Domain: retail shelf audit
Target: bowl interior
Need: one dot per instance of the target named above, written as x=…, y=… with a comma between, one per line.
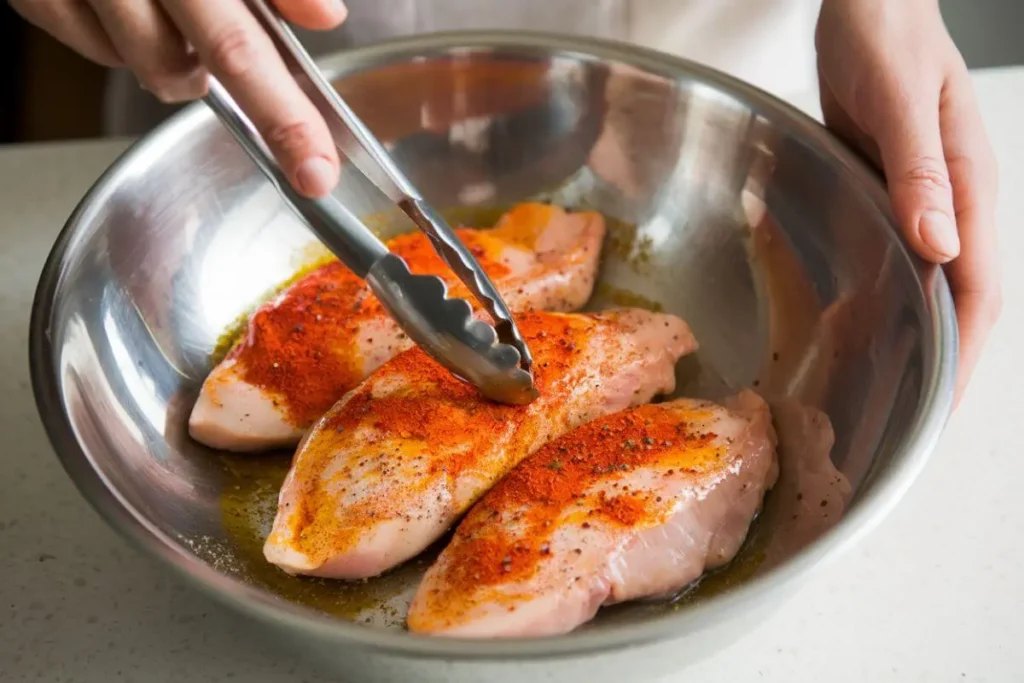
x=727, y=208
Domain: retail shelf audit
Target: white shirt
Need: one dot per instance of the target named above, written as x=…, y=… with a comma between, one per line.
x=769, y=43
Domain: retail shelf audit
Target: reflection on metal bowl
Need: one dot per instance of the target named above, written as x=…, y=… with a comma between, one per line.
x=771, y=239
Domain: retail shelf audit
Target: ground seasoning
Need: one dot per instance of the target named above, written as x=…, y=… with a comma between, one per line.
x=303, y=347
x=567, y=481
x=627, y=510
x=307, y=348
x=414, y=431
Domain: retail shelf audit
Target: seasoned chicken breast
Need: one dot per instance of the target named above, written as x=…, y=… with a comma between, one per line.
x=302, y=351
x=635, y=504
x=391, y=467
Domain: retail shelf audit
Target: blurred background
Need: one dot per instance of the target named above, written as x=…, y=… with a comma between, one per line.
x=47, y=92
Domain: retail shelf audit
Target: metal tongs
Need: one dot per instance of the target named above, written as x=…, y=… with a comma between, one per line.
x=495, y=359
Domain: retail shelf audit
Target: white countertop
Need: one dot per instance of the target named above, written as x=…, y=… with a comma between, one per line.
x=935, y=594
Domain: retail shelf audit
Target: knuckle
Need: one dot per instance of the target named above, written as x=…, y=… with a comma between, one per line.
x=291, y=138
x=233, y=52
x=927, y=173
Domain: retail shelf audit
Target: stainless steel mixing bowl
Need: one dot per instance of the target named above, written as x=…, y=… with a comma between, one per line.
x=766, y=234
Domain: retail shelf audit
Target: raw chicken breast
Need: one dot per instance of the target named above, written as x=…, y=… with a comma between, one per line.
x=391, y=467
x=327, y=332
x=635, y=504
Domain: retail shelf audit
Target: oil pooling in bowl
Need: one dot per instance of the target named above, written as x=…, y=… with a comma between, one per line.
x=248, y=501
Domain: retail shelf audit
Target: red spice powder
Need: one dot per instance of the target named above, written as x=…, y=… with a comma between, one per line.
x=447, y=419
x=554, y=478
x=627, y=510
x=302, y=347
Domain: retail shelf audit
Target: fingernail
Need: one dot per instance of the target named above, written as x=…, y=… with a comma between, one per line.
x=337, y=10
x=316, y=176
x=191, y=87
x=198, y=83
x=939, y=233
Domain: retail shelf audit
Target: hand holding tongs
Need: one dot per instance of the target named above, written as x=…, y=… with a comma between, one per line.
x=494, y=359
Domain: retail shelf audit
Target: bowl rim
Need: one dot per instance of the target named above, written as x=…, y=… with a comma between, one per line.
x=887, y=487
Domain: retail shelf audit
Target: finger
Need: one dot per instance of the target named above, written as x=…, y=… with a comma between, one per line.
x=74, y=24
x=153, y=48
x=318, y=15
x=974, y=276
x=910, y=146
x=235, y=48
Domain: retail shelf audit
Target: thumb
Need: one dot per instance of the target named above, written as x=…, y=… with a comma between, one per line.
x=910, y=145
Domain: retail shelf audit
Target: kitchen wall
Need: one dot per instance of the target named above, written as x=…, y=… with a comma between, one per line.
x=48, y=93
x=988, y=32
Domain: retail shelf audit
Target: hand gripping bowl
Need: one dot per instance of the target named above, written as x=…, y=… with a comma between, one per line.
x=753, y=223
